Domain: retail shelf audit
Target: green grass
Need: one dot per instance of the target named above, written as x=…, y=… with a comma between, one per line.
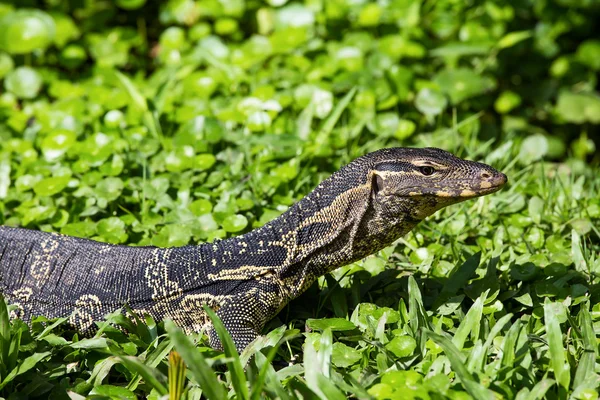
x=130, y=122
x=494, y=298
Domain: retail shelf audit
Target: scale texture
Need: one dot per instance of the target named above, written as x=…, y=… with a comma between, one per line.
x=360, y=209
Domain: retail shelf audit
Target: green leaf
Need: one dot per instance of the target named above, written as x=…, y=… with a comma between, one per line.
x=57, y=142
x=430, y=102
x=51, y=186
x=23, y=82
x=113, y=392
x=473, y=387
x=238, y=377
x=334, y=324
x=556, y=350
x=151, y=376
x=459, y=277
x=112, y=230
x=588, y=53
x=27, y=364
x=25, y=30
x=578, y=107
x=462, y=83
x=92, y=343
x=5, y=338
x=471, y=323
x=344, y=356
x=110, y=188
x=235, y=223
x=402, y=346
x=512, y=38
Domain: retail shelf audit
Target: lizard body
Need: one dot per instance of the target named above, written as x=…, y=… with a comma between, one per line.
x=360, y=209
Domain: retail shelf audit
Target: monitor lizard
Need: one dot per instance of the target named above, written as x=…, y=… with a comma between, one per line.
x=360, y=209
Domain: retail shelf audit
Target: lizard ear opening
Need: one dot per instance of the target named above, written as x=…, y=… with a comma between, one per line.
x=377, y=184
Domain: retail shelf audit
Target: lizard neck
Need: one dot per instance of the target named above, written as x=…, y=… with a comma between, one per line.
x=320, y=233
x=334, y=225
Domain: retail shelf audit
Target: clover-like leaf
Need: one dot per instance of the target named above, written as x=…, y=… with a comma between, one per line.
x=25, y=30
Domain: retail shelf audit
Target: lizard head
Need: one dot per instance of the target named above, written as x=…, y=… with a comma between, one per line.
x=422, y=181
x=370, y=203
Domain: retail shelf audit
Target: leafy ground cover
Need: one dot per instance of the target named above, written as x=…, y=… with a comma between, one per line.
x=181, y=122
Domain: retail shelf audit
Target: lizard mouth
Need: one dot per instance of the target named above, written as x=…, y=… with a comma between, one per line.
x=491, y=184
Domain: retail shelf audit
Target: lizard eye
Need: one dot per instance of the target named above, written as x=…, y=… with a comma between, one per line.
x=426, y=170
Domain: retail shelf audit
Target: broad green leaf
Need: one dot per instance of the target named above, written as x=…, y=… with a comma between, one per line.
x=23, y=82
x=402, y=346
x=25, y=30
x=578, y=107
x=344, y=356
x=461, y=84
x=430, y=102
x=51, y=186
x=235, y=223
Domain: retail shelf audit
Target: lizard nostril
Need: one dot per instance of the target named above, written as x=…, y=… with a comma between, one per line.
x=486, y=175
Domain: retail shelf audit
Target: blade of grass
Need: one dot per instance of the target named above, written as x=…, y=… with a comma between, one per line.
x=197, y=364
x=101, y=370
x=4, y=337
x=539, y=390
x=328, y=388
x=13, y=351
x=267, y=375
x=50, y=327
x=590, y=350
x=271, y=339
x=304, y=121
x=417, y=316
x=508, y=348
x=471, y=323
x=25, y=366
x=325, y=351
x=558, y=361
x=139, y=101
x=151, y=376
x=320, y=377
x=456, y=358
x=312, y=368
x=152, y=360
x=238, y=377
x=476, y=356
x=477, y=362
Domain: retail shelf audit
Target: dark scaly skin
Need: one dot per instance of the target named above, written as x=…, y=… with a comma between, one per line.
x=360, y=209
